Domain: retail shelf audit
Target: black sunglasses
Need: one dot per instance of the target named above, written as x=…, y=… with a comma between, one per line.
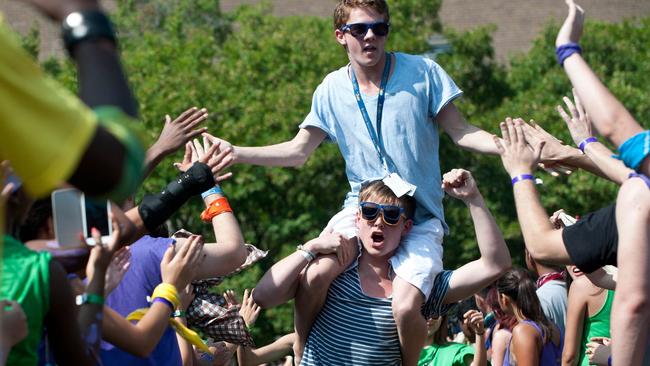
x=390, y=213
x=359, y=30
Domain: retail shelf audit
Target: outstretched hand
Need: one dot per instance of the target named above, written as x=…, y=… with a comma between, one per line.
x=473, y=320
x=216, y=157
x=179, y=264
x=571, y=29
x=249, y=309
x=598, y=350
x=460, y=184
x=578, y=123
x=182, y=129
x=516, y=156
x=120, y=263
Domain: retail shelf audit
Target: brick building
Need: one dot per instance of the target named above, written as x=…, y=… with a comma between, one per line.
x=518, y=21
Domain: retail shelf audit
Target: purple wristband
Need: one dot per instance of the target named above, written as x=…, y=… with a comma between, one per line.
x=585, y=142
x=564, y=51
x=609, y=360
x=164, y=301
x=521, y=177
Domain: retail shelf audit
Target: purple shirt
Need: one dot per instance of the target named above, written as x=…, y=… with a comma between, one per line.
x=138, y=283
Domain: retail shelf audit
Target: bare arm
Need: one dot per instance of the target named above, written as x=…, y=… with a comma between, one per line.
x=279, y=283
x=269, y=353
x=141, y=338
x=576, y=312
x=526, y=345
x=604, y=277
x=500, y=341
x=610, y=117
x=495, y=257
x=463, y=134
x=292, y=153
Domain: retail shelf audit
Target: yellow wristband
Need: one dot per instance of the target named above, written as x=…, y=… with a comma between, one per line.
x=167, y=292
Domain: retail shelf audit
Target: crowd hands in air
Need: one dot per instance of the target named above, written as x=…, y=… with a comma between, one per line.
x=371, y=288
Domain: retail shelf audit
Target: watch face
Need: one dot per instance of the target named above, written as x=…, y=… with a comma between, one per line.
x=79, y=300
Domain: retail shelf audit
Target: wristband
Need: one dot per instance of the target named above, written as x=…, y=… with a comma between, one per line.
x=564, y=51
x=163, y=301
x=308, y=254
x=167, y=292
x=86, y=25
x=92, y=299
x=214, y=190
x=522, y=177
x=586, y=142
x=179, y=314
x=609, y=360
x=216, y=208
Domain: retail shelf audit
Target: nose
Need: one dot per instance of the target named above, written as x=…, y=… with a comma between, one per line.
x=369, y=34
x=379, y=220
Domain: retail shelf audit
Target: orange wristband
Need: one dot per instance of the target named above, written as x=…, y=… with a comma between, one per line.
x=216, y=208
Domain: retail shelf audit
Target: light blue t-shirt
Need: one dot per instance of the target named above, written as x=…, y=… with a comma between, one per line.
x=416, y=91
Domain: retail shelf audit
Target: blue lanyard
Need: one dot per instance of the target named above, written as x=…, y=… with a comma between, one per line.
x=374, y=136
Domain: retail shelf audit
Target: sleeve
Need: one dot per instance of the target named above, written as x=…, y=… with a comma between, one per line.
x=434, y=305
x=442, y=89
x=459, y=357
x=44, y=129
x=318, y=117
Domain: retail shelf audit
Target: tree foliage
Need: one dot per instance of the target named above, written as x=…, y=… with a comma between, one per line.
x=256, y=73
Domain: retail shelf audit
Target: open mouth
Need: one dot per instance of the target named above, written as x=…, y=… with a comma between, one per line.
x=377, y=237
x=369, y=48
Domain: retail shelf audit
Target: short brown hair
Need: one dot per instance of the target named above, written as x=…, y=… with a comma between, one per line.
x=343, y=8
x=378, y=191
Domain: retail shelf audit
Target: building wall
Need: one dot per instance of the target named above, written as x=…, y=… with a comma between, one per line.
x=518, y=21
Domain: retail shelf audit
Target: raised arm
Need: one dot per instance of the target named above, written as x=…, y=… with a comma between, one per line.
x=610, y=117
x=291, y=153
x=543, y=242
x=495, y=257
x=579, y=125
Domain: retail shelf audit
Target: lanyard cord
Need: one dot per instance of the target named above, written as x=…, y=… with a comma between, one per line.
x=374, y=136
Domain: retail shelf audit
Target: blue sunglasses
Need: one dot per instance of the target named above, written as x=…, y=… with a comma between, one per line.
x=390, y=214
x=359, y=30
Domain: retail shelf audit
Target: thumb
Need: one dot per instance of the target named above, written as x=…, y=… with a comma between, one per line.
x=168, y=119
x=538, y=150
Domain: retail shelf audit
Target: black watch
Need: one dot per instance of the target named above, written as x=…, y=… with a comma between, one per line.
x=86, y=25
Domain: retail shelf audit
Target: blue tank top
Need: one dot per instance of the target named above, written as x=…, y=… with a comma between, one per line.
x=551, y=354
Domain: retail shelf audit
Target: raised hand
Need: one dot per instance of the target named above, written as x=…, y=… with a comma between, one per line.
x=231, y=298
x=249, y=309
x=179, y=264
x=460, y=184
x=102, y=252
x=516, y=156
x=578, y=123
x=178, y=132
x=117, y=269
x=216, y=157
x=571, y=29
x=330, y=242
x=473, y=319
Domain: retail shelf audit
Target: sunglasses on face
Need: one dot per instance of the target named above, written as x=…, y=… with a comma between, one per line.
x=359, y=30
x=390, y=213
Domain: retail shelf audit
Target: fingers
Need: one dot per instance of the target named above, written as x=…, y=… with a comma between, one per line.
x=208, y=154
x=564, y=115
x=498, y=144
x=183, y=116
x=572, y=107
x=223, y=177
x=194, y=153
x=505, y=133
x=169, y=254
x=578, y=103
x=200, y=151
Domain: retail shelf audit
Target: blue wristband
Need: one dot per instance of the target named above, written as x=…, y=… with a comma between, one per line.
x=585, y=142
x=564, y=51
x=609, y=360
x=522, y=177
x=214, y=190
x=164, y=301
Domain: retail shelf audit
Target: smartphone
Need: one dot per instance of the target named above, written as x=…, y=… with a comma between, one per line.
x=567, y=220
x=75, y=216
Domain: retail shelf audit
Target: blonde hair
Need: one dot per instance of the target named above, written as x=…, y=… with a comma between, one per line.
x=343, y=8
x=378, y=191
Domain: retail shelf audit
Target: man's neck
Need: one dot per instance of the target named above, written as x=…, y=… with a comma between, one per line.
x=374, y=275
x=369, y=77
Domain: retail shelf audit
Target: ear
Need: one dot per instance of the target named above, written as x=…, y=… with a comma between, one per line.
x=408, y=225
x=50, y=227
x=340, y=37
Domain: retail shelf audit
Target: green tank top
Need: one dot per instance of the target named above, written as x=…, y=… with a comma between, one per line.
x=26, y=279
x=450, y=354
x=596, y=326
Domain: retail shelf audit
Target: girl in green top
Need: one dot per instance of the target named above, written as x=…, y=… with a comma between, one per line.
x=588, y=314
x=444, y=353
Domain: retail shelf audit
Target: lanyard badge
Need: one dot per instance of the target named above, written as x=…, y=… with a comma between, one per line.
x=398, y=185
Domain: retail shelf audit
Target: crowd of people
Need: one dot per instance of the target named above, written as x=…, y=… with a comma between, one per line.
x=371, y=288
